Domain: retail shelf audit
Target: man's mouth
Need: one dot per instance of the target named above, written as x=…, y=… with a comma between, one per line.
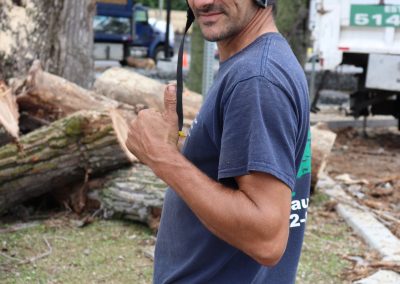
x=209, y=17
x=210, y=13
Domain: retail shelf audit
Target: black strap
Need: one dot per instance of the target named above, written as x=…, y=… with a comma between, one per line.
x=179, y=75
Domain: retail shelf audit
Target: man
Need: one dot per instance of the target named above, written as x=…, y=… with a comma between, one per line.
x=243, y=176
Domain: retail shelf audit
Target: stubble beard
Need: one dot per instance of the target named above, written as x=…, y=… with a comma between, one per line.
x=223, y=34
x=228, y=27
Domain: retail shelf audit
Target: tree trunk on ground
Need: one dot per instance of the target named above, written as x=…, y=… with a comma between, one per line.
x=135, y=89
x=135, y=193
x=67, y=151
x=195, y=78
x=49, y=97
x=57, y=32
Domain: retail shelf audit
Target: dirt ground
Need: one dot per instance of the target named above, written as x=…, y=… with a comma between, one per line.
x=372, y=160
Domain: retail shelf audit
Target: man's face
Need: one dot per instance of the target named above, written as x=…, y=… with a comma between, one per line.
x=222, y=19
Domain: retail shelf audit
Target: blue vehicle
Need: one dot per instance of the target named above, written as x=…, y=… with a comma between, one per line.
x=122, y=29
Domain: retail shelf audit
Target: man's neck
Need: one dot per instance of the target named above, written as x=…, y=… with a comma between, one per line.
x=261, y=23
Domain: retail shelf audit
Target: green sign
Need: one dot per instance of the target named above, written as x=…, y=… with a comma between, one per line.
x=305, y=166
x=375, y=16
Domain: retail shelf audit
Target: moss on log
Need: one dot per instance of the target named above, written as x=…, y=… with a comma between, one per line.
x=58, y=155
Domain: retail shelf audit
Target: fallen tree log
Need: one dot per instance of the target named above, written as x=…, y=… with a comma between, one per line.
x=46, y=97
x=144, y=63
x=65, y=152
x=132, y=88
x=49, y=97
x=9, y=116
x=135, y=193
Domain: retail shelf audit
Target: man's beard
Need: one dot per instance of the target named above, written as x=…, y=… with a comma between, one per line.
x=229, y=32
x=224, y=34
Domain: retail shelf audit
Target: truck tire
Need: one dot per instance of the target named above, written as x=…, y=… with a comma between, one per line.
x=159, y=53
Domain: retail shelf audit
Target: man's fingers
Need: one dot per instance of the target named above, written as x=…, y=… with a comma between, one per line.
x=170, y=100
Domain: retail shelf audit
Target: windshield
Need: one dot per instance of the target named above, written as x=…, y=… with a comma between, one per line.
x=111, y=25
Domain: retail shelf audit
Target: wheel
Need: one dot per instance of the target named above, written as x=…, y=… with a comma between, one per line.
x=159, y=53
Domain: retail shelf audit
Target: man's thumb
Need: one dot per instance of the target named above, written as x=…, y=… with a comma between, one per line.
x=170, y=99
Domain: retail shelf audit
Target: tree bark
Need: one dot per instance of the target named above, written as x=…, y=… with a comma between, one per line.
x=4, y=137
x=57, y=32
x=135, y=193
x=135, y=89
x=69, y=53
x=67, y=151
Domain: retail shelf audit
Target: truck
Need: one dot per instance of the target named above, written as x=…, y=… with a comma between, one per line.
x=366, y=34
x=122, y=29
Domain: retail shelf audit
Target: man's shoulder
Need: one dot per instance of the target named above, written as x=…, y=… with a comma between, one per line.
x=268, y=58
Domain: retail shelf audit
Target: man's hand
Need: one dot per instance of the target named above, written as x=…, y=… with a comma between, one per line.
x=152, y=134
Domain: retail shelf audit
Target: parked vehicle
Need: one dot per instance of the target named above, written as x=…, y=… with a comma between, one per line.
x=364, y=33
x=122, y=29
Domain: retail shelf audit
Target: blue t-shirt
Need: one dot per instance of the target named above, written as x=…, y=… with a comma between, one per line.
x=255, y=118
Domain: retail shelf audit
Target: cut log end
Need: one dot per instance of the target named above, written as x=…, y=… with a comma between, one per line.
x=8, y=111
x=120, y=125
x=322, y=142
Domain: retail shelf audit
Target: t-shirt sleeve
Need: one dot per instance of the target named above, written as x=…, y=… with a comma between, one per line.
x=259, y=131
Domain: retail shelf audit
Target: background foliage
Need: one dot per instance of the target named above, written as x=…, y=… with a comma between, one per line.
x=175, y=4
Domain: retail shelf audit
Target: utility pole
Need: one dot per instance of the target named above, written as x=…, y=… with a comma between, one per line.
x=208, y=67
x=160, y=8
x=166, y=46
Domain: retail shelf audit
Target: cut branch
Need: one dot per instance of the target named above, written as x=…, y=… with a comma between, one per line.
x=8, y=115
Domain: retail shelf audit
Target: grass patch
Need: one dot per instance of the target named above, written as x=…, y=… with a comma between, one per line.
x=103, y=252
x=327, y=240
x=111, y=251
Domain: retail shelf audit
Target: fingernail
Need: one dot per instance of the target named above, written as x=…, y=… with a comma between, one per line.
x=171, y=88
